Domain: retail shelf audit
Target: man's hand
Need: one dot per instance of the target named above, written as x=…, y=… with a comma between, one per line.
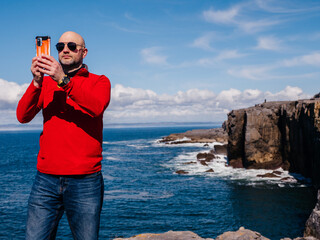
x=37, y=75
x=48, y=65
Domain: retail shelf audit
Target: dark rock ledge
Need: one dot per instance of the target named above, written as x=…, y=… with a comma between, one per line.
x=197, y=136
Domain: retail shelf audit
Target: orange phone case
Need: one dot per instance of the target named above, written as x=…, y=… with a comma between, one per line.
x=43, y=45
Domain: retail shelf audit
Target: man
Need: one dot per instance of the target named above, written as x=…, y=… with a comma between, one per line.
x=68, y=179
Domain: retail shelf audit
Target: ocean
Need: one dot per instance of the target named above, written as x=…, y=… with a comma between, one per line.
x=144, y=194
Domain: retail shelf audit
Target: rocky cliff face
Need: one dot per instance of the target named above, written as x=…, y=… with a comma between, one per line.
x=277, y=134
x=313, y=223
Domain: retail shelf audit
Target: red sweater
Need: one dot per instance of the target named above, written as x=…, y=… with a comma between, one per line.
x=71, y=140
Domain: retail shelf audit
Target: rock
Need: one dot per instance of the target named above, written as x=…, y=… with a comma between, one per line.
x=262, y=138
x=181, y=172
x=208, y=157
x=317, y=95
x=197, y=136
x=235, y=129
x=210, y=170
x=171, y=235
x=268, y=175
x=187, y=163
x=241, y=234
x=201, y=155
x=203, y=162
x=301, y=130
x=276, y=134
x=277, y=172
x=221, y=149
x=287, y=179
x=301, y=238
x=313, y=222
x=306, y=238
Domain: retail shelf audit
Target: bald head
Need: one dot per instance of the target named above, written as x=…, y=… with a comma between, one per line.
x=72, y=37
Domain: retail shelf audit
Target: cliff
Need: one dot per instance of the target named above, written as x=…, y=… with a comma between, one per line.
x=277, y=134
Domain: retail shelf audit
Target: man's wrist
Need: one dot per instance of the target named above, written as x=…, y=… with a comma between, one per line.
x=36, y=83
x=64, y=81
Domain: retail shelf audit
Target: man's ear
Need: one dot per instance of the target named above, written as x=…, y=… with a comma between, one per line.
x=84, y=52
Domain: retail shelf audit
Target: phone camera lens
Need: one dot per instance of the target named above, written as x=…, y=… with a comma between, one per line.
x=39, y=42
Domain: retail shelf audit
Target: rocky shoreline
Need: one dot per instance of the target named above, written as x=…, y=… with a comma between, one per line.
x=267, y=136
x=271, y=135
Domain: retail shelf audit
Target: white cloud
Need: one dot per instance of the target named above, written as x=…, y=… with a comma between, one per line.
x=292, y=7
x=228, y=97
x=251, y=72
x=268, y=72
x=252, y=94
x=309, y=59
x=269, y=43
x=10, y=93
x=238, y=17
x=256, y=26
x=289, y=93
x=142, y=105
x=213, y=61
x=131, y=18
x=219, y=16
x=191, y=105
x=229, y=54
x=152, y=56
x=123, y=96
x=203, y=42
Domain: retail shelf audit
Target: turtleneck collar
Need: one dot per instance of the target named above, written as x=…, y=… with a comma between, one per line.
x=73, y=73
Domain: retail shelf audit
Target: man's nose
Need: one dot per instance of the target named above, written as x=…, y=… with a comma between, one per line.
x=66, y=49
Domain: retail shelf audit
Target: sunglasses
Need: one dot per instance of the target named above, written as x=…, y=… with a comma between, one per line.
x=71, y=45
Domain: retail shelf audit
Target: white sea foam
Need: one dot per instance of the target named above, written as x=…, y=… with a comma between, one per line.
x=137, y=146
x=181, y=140
x=125, y=194
x=126, y=142
x=111, y=158
x=174, y=144
x=188, y=163
x=108, y=177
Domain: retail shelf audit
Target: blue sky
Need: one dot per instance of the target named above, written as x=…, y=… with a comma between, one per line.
x=179, y=60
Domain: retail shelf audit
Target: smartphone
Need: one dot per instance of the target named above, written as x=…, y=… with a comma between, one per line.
x=43, y=45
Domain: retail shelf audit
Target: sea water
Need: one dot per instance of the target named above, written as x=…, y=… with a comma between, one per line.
x=144, y=194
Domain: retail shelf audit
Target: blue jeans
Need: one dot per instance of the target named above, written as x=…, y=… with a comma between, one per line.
x=81, y=197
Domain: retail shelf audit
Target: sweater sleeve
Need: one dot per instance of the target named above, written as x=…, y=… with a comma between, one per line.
x=93, y=97
x=29, y=105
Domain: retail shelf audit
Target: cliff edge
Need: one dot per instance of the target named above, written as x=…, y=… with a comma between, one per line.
x=277, y=134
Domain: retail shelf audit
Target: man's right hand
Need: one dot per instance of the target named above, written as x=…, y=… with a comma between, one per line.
x=37, y=75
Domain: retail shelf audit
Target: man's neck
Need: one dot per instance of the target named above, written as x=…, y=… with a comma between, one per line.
x=68, y=70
